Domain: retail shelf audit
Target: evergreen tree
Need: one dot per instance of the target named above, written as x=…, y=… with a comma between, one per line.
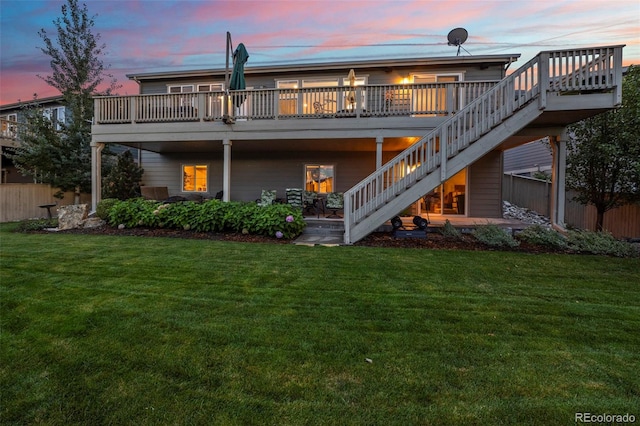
x=63, y=158
x=123, y=182
x=603, y=161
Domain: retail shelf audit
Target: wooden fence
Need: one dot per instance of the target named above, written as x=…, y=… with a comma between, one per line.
x=535, y=194
x=19, y=201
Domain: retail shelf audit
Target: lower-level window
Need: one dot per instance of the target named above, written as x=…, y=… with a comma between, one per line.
x=448, y=198
x=194, y=178
x=319, y=178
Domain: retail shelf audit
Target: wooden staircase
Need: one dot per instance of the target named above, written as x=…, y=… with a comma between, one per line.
x=543, y=84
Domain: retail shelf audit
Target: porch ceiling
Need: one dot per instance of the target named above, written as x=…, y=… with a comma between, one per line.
x=307, y=145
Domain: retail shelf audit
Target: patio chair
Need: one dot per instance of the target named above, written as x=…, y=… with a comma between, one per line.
x=310, y=201
x=267, y=197
x=294, y=197
x=335, y=202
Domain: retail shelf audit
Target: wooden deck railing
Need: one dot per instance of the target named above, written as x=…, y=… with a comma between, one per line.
x=553, y=72
x=441, y=99
x=9, y=129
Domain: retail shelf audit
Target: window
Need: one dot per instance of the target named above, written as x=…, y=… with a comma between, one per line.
x=436, y=99
x=194, y=178
x=448, y=198
x=213, y=87
x=9, y=128
x=319, y=178
x=320, y=101
x=186, y=100
x=288, y=100
x=187, y=88
x=55, y=115
x=214, y=102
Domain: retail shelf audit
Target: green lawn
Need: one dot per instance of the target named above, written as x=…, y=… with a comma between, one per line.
x=147, y=331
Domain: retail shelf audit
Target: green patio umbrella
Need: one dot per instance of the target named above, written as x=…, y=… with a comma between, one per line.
x=240, y=57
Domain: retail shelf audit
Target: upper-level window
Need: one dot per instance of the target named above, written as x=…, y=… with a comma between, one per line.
x=288, y=98
x=186, y=88
x=9, y=130
x=211, y=87
x=438, y=99
x=55, y=115
x=324, y=100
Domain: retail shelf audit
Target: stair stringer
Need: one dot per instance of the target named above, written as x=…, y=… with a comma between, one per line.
x=453, y=165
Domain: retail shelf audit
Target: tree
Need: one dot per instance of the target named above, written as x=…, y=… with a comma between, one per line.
x=123, y=182
x=603, y=161
x=62, y=158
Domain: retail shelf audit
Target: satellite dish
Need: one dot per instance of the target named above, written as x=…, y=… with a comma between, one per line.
x=456, y=37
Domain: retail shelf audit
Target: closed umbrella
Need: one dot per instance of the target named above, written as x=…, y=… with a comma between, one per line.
x=240, y=57
x=351, y=95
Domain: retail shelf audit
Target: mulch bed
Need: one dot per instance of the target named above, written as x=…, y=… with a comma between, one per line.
x=434, y=240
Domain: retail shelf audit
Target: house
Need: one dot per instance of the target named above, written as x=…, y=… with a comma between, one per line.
x=390, y=134
x=11, y=115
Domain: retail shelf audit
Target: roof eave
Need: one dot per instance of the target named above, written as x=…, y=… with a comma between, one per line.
x=282, y=68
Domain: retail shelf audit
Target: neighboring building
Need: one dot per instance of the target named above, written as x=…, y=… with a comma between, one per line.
x=11, y=116
x=375, y=136
x=529, y=159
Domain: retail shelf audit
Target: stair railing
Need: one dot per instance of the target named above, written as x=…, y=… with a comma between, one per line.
x=548, y=71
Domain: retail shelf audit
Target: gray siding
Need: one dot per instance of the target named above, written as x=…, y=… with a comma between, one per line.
x=252, y=172
x=485, y=186
x=528, y=156
x=374, y=76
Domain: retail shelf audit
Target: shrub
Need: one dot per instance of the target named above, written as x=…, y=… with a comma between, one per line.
x=134, y=212
x=278, y=220
x=104, y=206
x=32, y=225
x=600, y=243
x=494, y=236
x=451, y=232
x=543, y=236
x=239, y=217
x=272, y=221
x=123, y=181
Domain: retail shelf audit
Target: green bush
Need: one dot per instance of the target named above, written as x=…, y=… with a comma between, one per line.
x=540, y=235
x=278, y=220
x=494, y=236
x=104, y=206
x=36, y=225
x=135, y=212
x=600, y=243
x=451, y=232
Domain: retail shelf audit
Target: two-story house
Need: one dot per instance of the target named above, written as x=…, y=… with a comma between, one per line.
x=11, y=116
x=387, y=134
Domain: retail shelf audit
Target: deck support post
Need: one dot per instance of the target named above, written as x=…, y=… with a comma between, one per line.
x=558, y=179
x=226, y=171
x=379, y=142
x=96, y=174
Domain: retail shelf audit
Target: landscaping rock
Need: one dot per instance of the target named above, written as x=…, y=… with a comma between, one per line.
x=93, y=222
x=72, y=216
x=511, y=211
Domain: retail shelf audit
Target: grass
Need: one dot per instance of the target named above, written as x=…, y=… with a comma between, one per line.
x=131, y=330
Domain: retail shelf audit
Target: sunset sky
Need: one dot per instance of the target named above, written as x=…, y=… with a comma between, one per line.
x=163, y=35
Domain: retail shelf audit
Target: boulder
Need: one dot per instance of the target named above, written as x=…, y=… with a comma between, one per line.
x=93, y=222
x=72, y=216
